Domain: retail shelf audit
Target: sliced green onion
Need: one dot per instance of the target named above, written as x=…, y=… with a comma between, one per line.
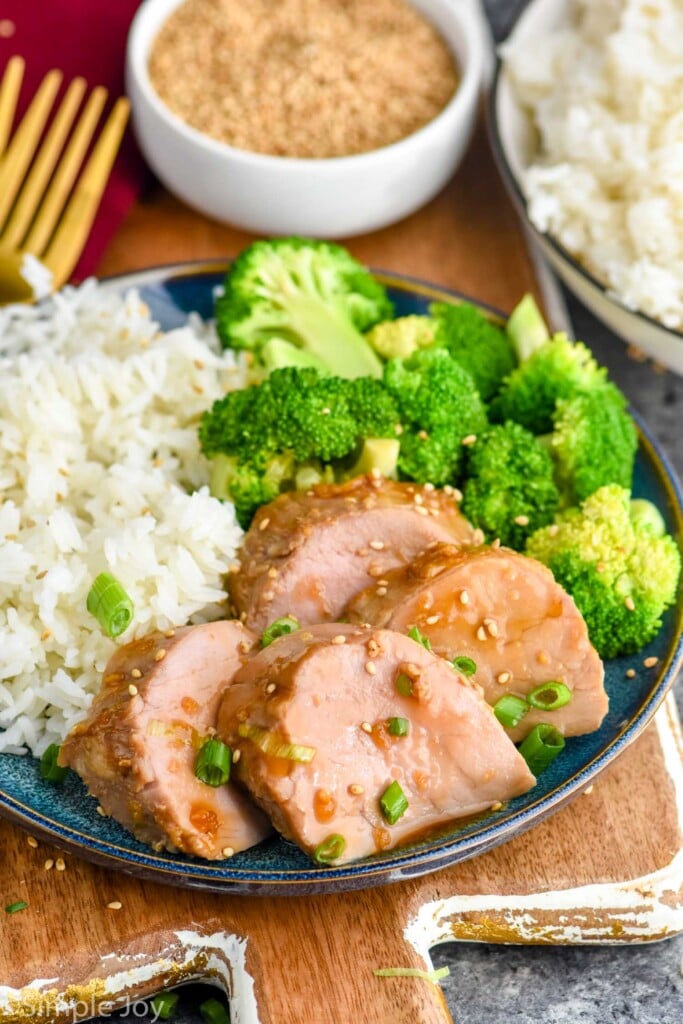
x=14, y=908
x=550, y=696
x=541, y=747
x=416, y=635
x=164, y=1004
x=110, y=604
x=393, y=803
x=213, y=763
x=49, y=769
x=404, y=685
x=330, y=849
x=413, y=972
x=510, y=710
x=399, y=726
x=214, y=1012
x=465, y=665
x=273, y=745
x=281, y=627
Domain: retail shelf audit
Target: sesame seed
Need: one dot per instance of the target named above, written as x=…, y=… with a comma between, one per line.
x=236, y=755
x=429, y=487
x=482, y=634
x=41, y=575
x=377, y=545
x=588, y=790
x=46, y=634
x=366, y=727
x=370, y=668
x=169, y=633
x=161, y=654
x=244, y=646
x=114, y=905
x=33, y=843
x=423, y=435
x=418, y=499
x=381, y=591
x=373, y=648
x=457, y=494
x=271, y=688
x=543, y=658
x=136, y=673
x=491, y=627
x=497, y=806
x=630, y=673
x=522, y=520
x=59, y=864
x=422, y=510
x=101, y=811
x=478, y=536
x=495, y=544
x=199, y=364
x=132, y=689
x=339, y=639
x=448, y=489
x=650, y=662
x=228, y=851
x=432, y=620
x=398, y=429
x=464, y=597
x=355, y=789
x=49, y=864
x=325, y=412
x=263, y=525
x=630, y=604
x=504, y=678
x=272, y=573
x=470, y=439
x=268, y=595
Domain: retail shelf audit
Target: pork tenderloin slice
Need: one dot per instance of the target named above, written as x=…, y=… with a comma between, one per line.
x=330, y=691
x=137, y=747
x=307, y=553
x=504, y=611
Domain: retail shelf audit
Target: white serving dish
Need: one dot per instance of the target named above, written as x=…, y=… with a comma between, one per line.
x=335, y=197
x=514, y=143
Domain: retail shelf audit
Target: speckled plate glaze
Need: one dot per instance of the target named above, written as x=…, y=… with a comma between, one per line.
x=66, y=815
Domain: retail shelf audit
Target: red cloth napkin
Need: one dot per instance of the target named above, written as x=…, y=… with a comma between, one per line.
x=88, y=38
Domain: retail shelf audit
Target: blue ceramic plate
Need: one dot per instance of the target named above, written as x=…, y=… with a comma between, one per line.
x=66, y=815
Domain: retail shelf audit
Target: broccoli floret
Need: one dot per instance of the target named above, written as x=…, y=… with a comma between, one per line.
x=558, y=369
x=480, y=347
x=311, y=294
x=293, y=430
x=509, y=490
x=400, y=338
x=439, y=407
x=621, y=574
x=594, y=442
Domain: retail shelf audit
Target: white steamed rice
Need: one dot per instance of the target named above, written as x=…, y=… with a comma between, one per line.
x=606, y=95
x=100, y=471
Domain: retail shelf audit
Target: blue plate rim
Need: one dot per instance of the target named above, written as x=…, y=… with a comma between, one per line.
x=398, y=864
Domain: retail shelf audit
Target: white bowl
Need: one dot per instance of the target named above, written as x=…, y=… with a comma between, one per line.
x=515, y=143
x=338, y=196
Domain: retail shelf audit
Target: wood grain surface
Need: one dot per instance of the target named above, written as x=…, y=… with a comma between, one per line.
x=599, y=870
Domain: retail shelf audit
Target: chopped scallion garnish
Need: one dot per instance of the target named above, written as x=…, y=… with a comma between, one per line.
x=110, y=604
x=541, y=747
x=550, y=696
x=214, y=1012
x=465, y=665
x=330, y=849
x=404, y=685
x=14, y=908
x=49, y=769
x=413, y=972
x=275, y=746
x=393, y=803
x=164, y=1004
x=510, y=710
x=399, y=726
x=281, y=627
x=420, y=638
x=213, y=763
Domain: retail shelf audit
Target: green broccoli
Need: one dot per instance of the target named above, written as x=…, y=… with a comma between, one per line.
x=400, y=338
x=439, y=408
x=509, y=490
x=310, y=294
x=621, y=571
x=478, y=345
x=594, y=442
x=293, y=430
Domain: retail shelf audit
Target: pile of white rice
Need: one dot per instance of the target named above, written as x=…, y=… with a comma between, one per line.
x=100, y=471
x=606, y=95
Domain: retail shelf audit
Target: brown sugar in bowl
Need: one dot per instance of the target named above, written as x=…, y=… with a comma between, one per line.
x=337, y=195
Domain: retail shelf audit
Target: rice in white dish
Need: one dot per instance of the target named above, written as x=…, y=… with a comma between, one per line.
x=100, y=471
x=606, y=95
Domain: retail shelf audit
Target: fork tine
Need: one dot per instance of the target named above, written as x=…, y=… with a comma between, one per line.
x=18, y=154
x=9, y=94
x=66, y=173
x=70, y=237
x=43, y=165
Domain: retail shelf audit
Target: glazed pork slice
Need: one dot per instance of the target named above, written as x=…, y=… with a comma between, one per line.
x=504, y=611
x=307, y=553
x=311, y=715
x=137, y=748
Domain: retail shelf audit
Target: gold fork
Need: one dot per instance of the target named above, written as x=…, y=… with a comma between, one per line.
x=44, y=210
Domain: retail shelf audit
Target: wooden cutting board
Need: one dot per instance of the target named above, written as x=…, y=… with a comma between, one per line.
x=607, y=868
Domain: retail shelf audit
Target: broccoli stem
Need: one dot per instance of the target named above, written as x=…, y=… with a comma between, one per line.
x=332, y=339
x=526, y=328
x=278, y=353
